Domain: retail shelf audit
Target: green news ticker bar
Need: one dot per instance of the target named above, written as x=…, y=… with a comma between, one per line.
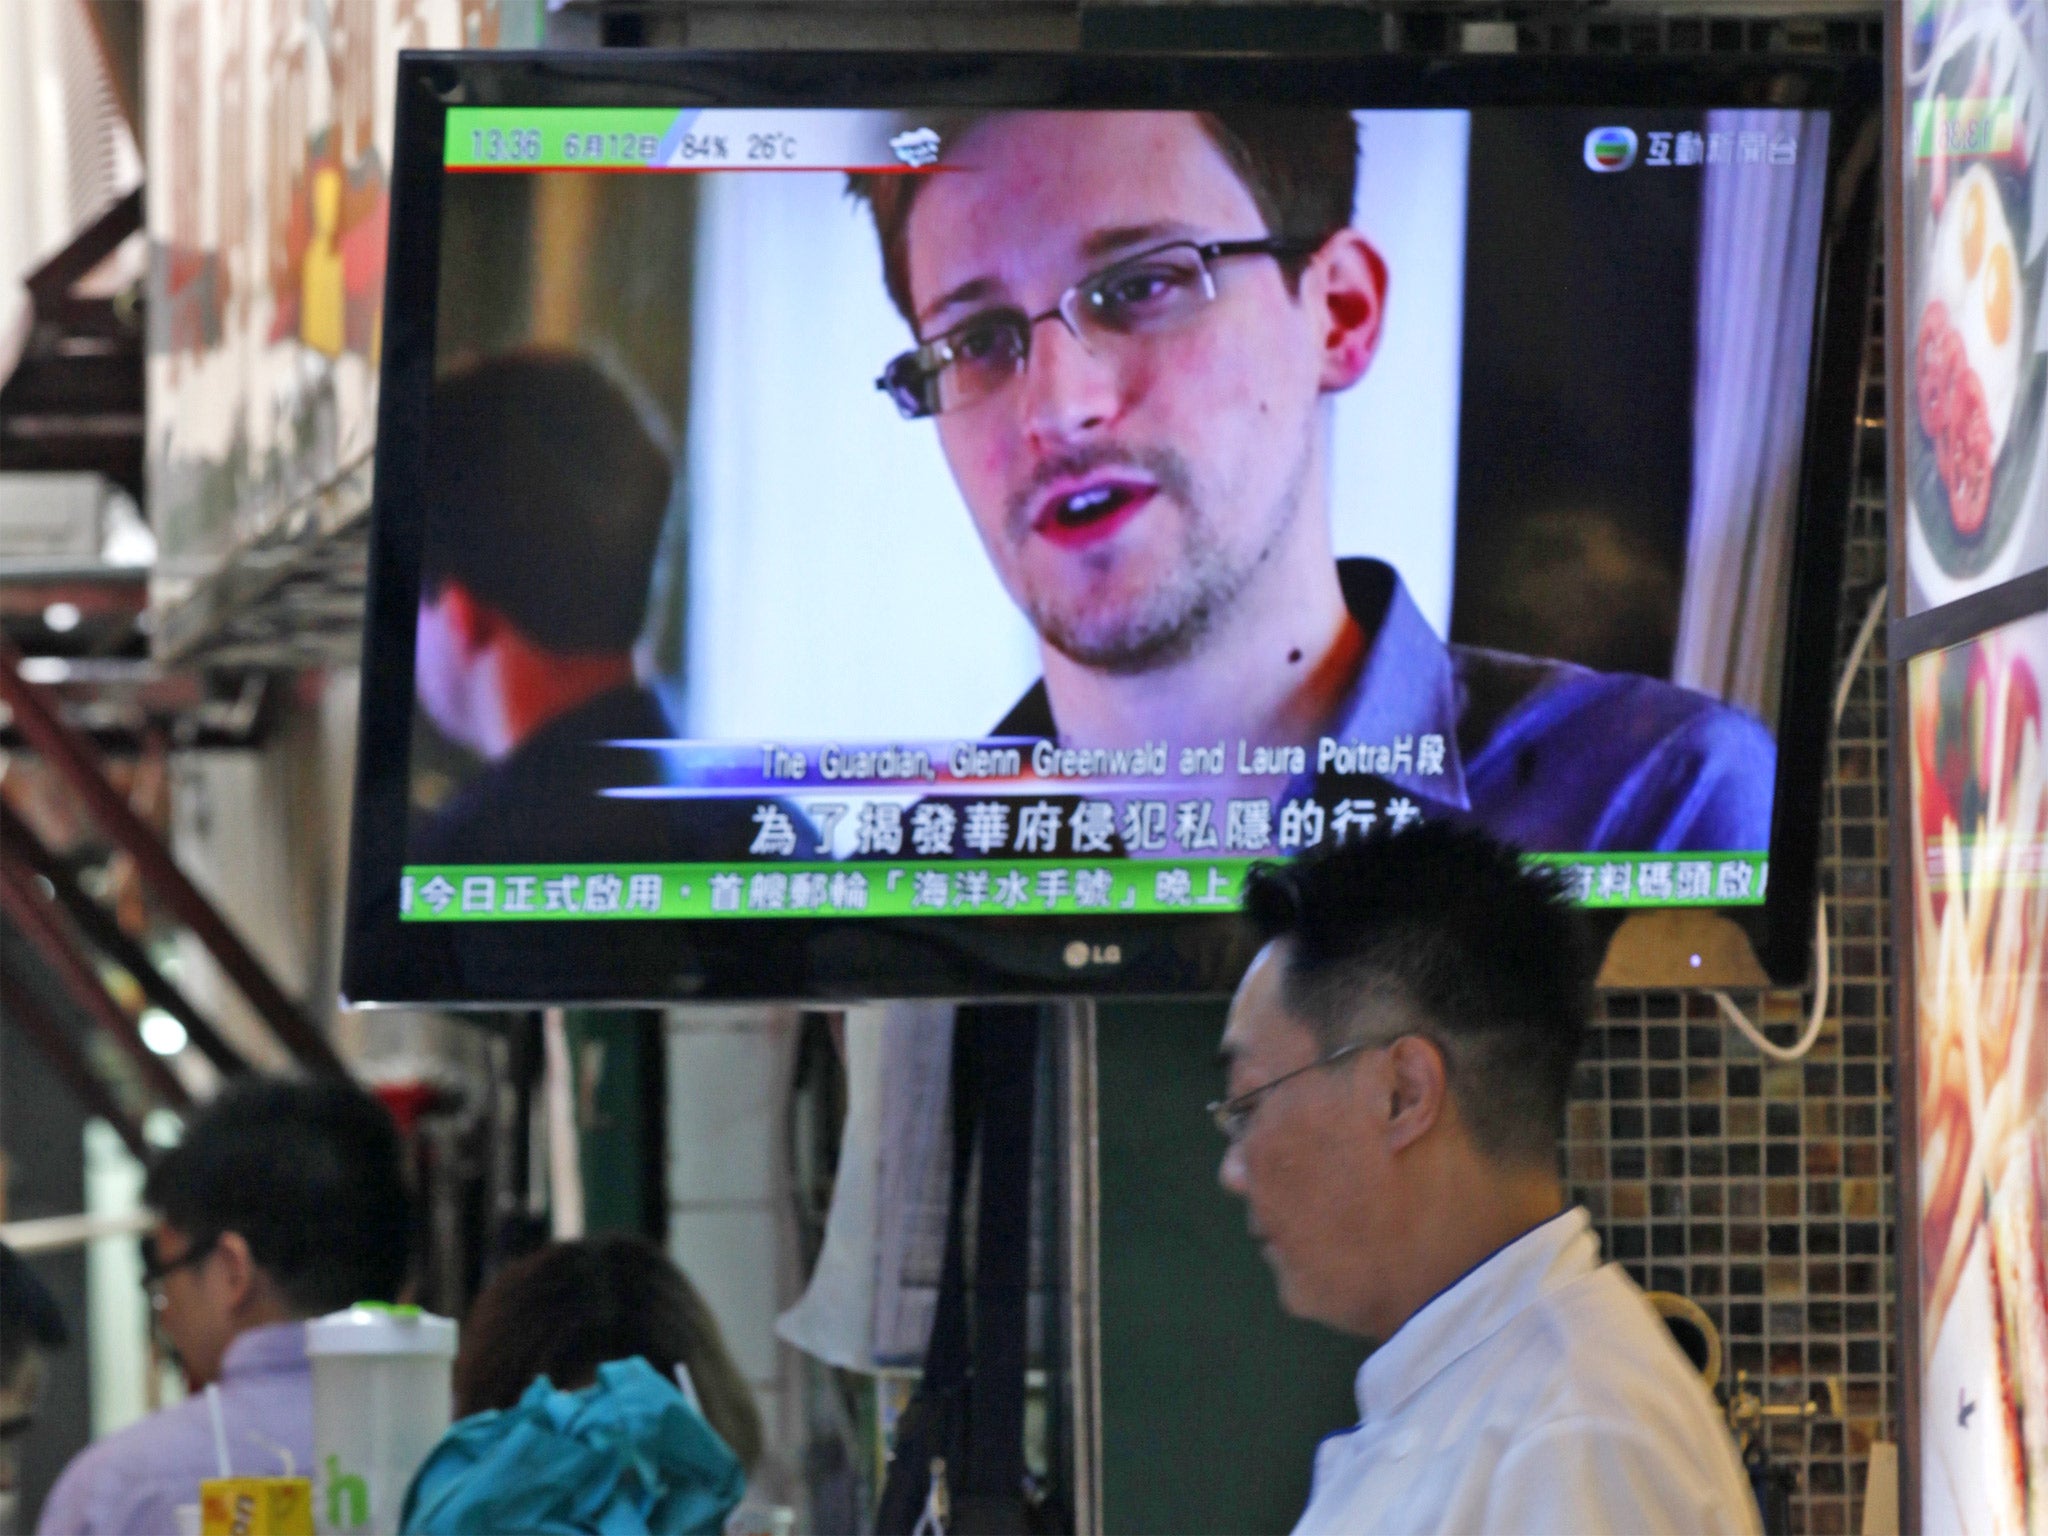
x=954, y=888
x=1963, y=127
x=553, y=138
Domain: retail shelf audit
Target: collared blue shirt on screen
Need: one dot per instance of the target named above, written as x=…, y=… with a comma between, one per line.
x=1547, y=755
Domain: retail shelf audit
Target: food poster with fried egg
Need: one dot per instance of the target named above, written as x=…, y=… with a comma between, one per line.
x=1979, y=833
x=1975, y=233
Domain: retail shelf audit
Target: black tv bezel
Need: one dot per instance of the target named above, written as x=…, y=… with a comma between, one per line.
x=828, y=961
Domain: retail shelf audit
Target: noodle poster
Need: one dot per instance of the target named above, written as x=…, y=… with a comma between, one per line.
x=1979, y=829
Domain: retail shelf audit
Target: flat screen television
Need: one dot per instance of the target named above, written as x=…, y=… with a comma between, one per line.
x=924, y=525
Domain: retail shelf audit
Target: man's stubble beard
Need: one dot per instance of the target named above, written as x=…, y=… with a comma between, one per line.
x=1170, y=623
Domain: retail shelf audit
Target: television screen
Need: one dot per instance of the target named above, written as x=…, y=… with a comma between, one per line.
x=910, y=526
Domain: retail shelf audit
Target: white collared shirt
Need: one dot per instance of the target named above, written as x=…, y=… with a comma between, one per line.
x=1540, y=1393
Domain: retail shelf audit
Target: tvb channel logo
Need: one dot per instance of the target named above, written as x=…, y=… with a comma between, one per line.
x=1610, y=149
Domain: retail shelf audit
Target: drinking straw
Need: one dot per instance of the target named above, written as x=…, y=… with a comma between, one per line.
x=687, y=1386
x=220, y=1429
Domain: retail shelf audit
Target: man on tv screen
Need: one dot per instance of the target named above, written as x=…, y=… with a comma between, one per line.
x=548, y=489
x=1129, y=328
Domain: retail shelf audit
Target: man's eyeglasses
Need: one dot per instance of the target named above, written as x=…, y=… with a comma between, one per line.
x=1144, y=295
x=1233, y=1115
x=156, y=1269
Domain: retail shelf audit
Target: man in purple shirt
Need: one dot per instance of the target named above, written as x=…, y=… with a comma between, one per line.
x=285, y=1200
x=1129, y=327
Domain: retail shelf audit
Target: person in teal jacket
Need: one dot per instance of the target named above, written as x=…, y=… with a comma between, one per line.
x=596, y=1394
x=627, y=1453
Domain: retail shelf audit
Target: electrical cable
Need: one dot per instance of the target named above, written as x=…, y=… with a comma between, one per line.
x=1817, y=1016
x=1854, y=663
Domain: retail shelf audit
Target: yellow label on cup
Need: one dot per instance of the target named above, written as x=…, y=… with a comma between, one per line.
x=256, y=1506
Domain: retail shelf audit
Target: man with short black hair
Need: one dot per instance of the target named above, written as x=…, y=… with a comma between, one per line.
x=1399, y=1056
x=285, y=1200
x=546, y=489
x=547, y=486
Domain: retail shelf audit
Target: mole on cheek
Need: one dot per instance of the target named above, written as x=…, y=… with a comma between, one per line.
x=1295, y=654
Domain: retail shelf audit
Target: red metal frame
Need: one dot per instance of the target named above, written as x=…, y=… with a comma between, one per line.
x=69, y=1063
x=19, y=841
x=75, y=758
x=27, y=909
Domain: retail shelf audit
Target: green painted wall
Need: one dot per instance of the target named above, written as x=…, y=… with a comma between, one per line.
x=622, y=1162
x=1212, y=1398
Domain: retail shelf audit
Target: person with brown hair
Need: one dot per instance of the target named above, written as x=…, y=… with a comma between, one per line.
x=1127, y=328
x=1148, y=474
x=571, y=1307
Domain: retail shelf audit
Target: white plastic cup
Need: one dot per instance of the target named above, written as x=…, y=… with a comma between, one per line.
x=761, y=1520
x=383, y=1395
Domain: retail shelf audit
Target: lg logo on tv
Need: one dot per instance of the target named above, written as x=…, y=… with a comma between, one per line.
x=1081, y=954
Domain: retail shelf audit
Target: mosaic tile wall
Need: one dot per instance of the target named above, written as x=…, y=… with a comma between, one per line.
x=1763, y=1190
